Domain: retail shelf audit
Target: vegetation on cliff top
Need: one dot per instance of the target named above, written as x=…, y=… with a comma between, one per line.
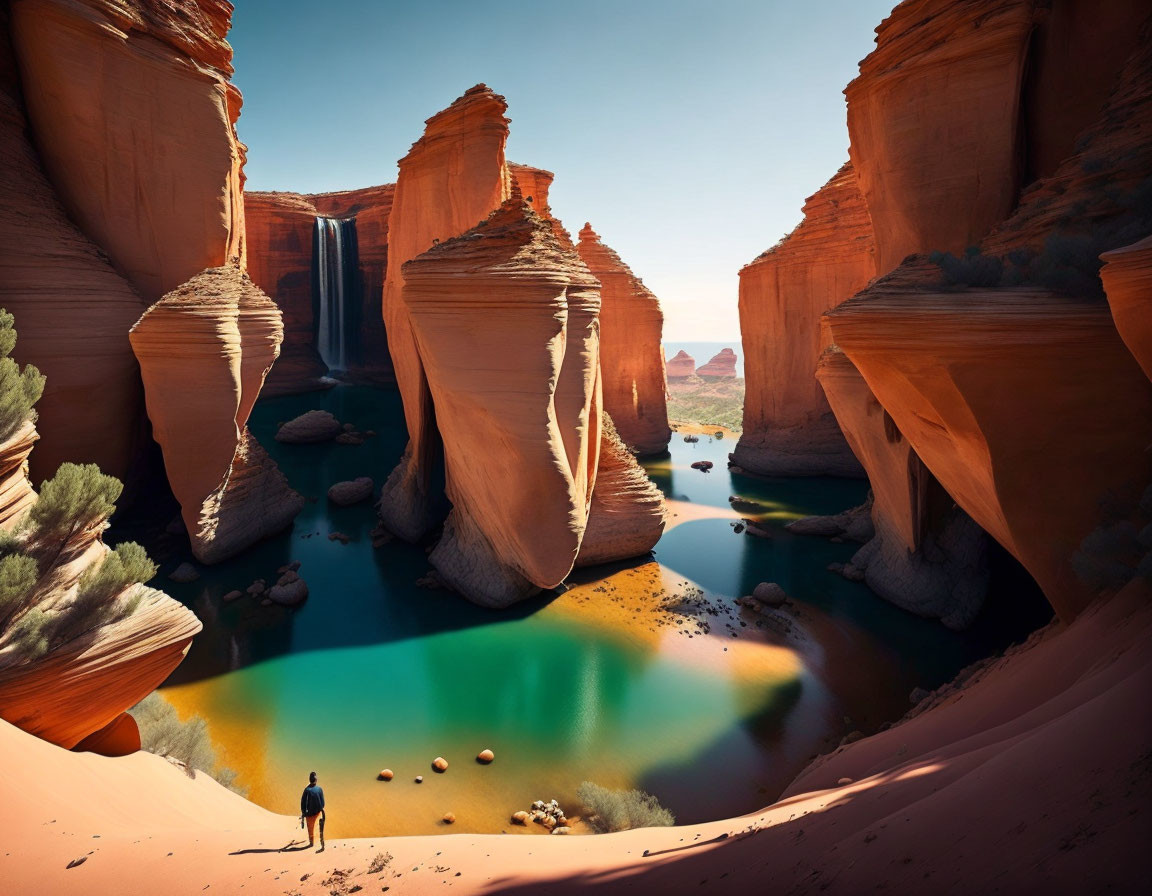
x=40, y=609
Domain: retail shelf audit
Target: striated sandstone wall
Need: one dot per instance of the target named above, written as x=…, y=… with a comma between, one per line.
x=504, y=320
x=631, y=350
x=133, y=116
x=453, y=177
x=789, y=428
x=73, y=311
x=204, y=351
x=934, y=120
x=1127, y=277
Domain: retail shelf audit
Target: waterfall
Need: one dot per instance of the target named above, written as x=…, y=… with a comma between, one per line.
x=336, y=279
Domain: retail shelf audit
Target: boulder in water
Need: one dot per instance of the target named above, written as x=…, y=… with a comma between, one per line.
x=314, y=426
x=352, y=491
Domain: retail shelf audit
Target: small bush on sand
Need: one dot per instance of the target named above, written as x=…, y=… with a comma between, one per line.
x=188, y=742
x=621, y=810
x=379, y=862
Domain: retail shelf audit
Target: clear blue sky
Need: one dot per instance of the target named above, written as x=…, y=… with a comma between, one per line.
x=688, y=132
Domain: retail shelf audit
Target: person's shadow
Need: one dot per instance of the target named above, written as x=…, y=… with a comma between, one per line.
x=291, y=846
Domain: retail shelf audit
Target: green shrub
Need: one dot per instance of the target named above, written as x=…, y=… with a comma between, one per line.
x=125, y=566
x=32, y=634
x=18, y=575
x=19, y=389
x=77, y=498
x=621, y=810
x=188, y=742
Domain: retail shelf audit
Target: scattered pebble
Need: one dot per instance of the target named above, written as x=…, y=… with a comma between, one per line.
x=449, y=818
x=385, y=775
x=485, y=756
x=440, y=764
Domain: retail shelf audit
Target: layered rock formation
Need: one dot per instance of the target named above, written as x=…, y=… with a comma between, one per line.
x=789, y=429
x=628, y=514
x=134, y=119
x=73, y=309
x=1127, y=277
x=680, y=366
x=204, y=351
x=504, y=321
x=16, y=493
x=631, y=351
x=722, y=365
x=1022, y=399
x=934, y=123
x=84, y=685
x=451, y=178
x=926, y=555
x=984, y=394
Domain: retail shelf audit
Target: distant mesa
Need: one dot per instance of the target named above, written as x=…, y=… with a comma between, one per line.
x=681, y=366
x=722, y=365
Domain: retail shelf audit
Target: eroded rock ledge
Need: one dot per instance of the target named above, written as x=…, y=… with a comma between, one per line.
x=204, y=350
x=505, y=321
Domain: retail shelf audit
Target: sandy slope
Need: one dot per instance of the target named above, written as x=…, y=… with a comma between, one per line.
x=1033, y=777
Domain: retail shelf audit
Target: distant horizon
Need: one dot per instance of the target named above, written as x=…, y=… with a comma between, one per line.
x=689, y=139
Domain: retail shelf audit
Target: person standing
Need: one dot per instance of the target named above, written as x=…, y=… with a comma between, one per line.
x=311, y=808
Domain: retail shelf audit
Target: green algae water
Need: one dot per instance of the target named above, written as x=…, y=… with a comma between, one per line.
x=710, y=710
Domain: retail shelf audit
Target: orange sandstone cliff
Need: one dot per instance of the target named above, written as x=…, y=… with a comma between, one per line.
x=134, y=116
x=789, y=429
x=1005, y=371
x=72, y=309
x=934, y=123
x=204, y=350
x=631, y=351
x=453, y=177
x=504, y=320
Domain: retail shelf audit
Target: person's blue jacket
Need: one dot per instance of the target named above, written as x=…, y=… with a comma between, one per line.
x=311, y=800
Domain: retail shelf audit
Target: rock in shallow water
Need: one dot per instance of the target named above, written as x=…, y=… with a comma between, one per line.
x=352, y=491
x=291, y=594
x=314, y=426
x=771, y=594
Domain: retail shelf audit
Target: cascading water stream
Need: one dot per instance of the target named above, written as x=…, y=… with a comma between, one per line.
x=335, y=280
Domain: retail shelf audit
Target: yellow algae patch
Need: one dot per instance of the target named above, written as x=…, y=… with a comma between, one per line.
x=637, y=605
